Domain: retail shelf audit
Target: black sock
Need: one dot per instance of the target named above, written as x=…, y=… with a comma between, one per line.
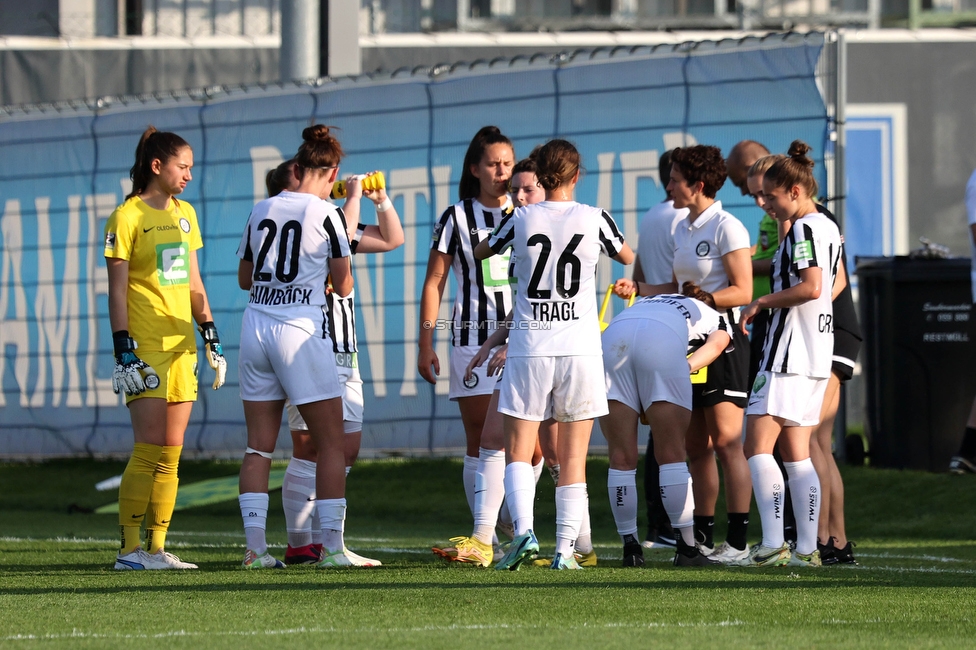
x=703, y=530
x=738, y=530
x=968, y=447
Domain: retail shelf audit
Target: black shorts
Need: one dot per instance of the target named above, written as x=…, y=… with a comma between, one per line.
x=846, y=347
x=728, y=377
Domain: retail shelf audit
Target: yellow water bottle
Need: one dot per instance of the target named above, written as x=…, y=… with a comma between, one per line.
x=375, y=181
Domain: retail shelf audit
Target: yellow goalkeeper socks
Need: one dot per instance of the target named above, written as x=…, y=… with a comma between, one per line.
x=134, y=491
x=162, y=500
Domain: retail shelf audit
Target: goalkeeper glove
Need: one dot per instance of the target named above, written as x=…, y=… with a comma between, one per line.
x=214, y=353
x=131, y=374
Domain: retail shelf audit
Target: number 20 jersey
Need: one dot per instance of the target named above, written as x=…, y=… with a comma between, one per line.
x=556, y=247
x=290, y=238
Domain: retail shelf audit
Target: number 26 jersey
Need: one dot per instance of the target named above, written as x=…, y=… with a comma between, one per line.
x=290, y=238
x=556, y=246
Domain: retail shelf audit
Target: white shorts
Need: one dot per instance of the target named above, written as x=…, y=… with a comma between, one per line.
x=795, y=398
x=645, y=363
x=352, y=402
x=280, y=361
x=568, y=389
x=480, y=384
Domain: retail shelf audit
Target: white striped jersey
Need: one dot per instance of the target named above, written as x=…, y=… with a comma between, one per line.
x=556, y=246
x=687, y=317
x=800, y=340
x=342, y=310
x=483, y=295
x=290, y=238
x=700, y=245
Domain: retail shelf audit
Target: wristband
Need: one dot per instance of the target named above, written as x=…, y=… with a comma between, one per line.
x=385, y=205
x=209, y=332
x=122, y=342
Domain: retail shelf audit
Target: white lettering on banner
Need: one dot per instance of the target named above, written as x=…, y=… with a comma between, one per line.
x=99, y=207
x=263, y=160
x=57, y=329
x=13, y=331
x=58, y=321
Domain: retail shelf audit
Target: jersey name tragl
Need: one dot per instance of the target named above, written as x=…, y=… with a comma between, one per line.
x=172, y=264
x=568, y=269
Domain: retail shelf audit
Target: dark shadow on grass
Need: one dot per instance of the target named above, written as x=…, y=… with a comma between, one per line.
x=852, y=580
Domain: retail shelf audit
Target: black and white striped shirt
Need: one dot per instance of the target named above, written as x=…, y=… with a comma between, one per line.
x=800, y=339
x=484, y=295
x=342, y=310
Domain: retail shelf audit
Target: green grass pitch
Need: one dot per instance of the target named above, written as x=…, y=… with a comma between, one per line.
x=915, y=585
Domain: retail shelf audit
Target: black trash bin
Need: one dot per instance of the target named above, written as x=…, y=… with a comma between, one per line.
x=919, y=358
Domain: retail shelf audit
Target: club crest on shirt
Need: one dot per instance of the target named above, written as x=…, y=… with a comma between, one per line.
x=702, y=249
x=471, y=382
x=438, y=227
x=184, y=225
x=110, y=240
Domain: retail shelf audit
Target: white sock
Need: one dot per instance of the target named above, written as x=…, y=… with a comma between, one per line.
x=520, y=495
x=470, y=470
x=767, y=485
x=489, y=492
x=622, y=488
x=254, y=512
x=678, y=499
x=348, y=469
x=805, y=489
x=584, y=541
x=570, y=506
x=298, y=501
x=537, y=470
x=316, y=527
x=332, y=514
x=504, y=516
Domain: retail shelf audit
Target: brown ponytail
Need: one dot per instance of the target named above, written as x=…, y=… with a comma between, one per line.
x=692, y=290
x=279, y=178
x=153, y=145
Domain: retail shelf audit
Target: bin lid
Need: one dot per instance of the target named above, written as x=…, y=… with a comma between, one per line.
x=907, y=268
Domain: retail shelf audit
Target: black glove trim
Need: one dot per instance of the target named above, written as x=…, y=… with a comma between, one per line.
x=122, y=342
x=209, y=332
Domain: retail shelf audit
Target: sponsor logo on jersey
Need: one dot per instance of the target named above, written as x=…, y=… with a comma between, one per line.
x=110, y=240
x=702, y=249
x=803, y=250
x=438, y=227
x=172, y=264
x=184, y=224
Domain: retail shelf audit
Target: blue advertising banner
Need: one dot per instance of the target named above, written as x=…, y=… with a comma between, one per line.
x=61, y=175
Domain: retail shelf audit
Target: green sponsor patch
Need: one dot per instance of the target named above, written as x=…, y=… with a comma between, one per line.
x=173, y=264
x=803, y=251
x=204, y=493
x=759, y=383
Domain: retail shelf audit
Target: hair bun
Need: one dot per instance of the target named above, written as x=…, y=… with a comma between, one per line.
x=316, y=132
x=798, y=151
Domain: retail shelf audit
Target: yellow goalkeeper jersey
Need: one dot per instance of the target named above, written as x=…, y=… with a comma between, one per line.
x=157, y=245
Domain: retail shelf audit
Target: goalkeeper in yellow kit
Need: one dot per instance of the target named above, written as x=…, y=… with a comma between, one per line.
x=155, y=289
